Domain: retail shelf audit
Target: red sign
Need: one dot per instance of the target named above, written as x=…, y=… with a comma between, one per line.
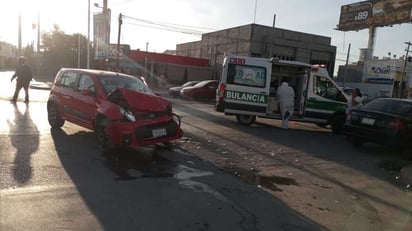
x=237, y=61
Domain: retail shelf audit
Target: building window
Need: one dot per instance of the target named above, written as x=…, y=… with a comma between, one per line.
x=284, y=57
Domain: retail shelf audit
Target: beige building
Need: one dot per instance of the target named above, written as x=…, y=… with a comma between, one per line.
x=262, y=41
x=7, y=55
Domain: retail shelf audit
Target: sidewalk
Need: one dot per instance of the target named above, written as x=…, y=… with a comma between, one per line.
x=40, y=85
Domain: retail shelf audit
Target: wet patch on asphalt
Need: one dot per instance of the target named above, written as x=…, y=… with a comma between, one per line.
x=130, y=164
x=252, y=176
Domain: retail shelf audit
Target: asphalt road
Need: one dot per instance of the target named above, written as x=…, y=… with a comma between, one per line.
x=219, y=176
x=314, y=171
x=60, y=179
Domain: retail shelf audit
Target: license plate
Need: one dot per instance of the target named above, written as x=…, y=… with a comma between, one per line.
x=159, y=132
x=368, y=121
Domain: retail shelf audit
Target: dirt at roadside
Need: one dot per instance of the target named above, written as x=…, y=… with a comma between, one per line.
x=330, y=194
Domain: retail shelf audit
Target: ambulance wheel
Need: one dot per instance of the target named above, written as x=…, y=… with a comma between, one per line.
x=246, y=119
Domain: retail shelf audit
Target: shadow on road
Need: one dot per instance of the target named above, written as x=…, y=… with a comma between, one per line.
x=24, y=136
x=129, y=164
x=155, y=188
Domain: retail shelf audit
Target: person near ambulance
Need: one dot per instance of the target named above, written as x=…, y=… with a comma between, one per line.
x=286, y=98
x=355, y=100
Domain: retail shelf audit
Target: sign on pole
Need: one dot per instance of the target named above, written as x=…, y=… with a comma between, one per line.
x=374, y=13
x=101, y=28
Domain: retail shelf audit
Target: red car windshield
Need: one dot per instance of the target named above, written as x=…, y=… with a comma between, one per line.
x=111, y=82
x=202, y=84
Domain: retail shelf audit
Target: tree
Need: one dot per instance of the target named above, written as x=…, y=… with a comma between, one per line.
x=61, y=50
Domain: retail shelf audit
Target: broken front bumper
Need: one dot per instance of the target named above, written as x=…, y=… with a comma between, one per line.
x=141, y=133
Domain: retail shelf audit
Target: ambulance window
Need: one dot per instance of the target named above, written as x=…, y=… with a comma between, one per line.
x=325, y=88
x=245, y=75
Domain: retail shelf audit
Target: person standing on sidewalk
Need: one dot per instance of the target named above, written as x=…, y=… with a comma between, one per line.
x=24, y=76
x=286, y=97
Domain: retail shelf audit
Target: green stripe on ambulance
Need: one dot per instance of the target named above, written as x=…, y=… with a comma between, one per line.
x=246, y=96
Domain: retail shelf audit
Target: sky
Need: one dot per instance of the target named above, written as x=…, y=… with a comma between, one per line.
x=318, y=17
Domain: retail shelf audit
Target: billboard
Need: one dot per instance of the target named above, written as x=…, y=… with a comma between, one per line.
x=122, y=53
x=101, y=32
x=374, y=13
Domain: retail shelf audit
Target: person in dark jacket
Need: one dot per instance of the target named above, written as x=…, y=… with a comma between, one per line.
x=24, y=76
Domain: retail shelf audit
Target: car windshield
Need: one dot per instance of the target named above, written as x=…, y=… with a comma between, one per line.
x=392, y=106
x=201, y=84
x=191, y=83
x=113, y=81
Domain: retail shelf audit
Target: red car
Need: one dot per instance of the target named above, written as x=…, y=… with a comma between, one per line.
x=205, y=89
x=120, y=108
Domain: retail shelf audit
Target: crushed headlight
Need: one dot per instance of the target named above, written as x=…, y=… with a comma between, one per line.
x=128, y=115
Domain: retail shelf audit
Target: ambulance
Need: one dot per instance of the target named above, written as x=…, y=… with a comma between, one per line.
x=247, y=90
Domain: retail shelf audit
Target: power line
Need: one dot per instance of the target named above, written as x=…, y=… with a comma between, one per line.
x=196, y=30
x=191, y=32
x=171, y=24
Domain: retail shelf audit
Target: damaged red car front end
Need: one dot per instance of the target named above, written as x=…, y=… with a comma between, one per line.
x=120, y=108
x=139, y=119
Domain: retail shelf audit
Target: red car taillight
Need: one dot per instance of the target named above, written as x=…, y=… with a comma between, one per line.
x=221, y=91
x=222, y=87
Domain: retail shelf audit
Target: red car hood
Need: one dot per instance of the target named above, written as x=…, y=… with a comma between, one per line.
x=142, y=102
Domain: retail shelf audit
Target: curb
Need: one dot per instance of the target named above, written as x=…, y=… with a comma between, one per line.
x=406, y=176
x=41, y=85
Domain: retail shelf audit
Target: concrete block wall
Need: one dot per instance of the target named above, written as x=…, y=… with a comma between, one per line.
x=176, y=73
x=264, y=41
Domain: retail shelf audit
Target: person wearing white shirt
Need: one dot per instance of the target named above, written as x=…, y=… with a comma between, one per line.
x=355, y=100
x=286, y=98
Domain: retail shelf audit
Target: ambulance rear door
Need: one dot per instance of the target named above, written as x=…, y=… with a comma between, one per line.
x=247, y=85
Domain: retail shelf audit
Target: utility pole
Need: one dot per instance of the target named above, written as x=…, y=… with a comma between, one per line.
x=88, y=36
x=78, y=50
x=254, y=15
x=346, y=66
x=104, y=6
x=118, y=40
x=404, y=76
x=38, y=45
x=38, y=32
x=272, y=33
x=20, y=50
